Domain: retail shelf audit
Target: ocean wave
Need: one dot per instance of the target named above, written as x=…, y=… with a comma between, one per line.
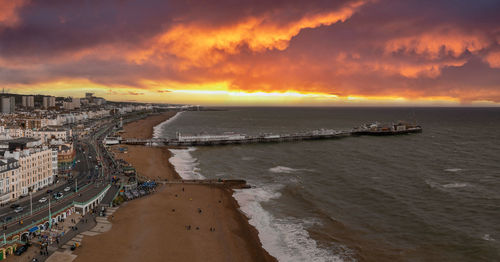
x=455, y=185
x=283, y=169
x=157, y=130
x=436, y=185
x=185, y=164
x=453, y=170
x=285, y=239
x=487, y=237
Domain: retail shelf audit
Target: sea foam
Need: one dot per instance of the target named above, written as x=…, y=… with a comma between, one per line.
x=285, y=239
x=455, y=185
x=157, y=130
x=182, y=160
x=453, y=170
x=185, y=164
x=282, y=169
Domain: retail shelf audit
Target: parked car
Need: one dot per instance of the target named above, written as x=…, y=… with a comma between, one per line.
x=21, y=250
x=49, y=191
x=14, y=206
x=67, y=189
x=42, y=200
x=135, y=193
x=19, y=209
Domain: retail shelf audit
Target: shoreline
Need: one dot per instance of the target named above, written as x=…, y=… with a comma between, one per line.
x=170, y=210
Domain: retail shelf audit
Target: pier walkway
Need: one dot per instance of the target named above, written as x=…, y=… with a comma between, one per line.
x=229, y=139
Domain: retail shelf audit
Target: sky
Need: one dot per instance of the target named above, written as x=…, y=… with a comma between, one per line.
x=260, y=52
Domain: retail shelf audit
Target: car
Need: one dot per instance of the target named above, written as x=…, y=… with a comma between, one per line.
x=42, y=200
x=49, y=191
x=19, y=209
x=14, y=206
x=67, y=189
x=58, y=195
x=21, y=250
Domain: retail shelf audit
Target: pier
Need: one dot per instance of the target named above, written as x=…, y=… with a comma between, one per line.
x=230, y=139
x=375, y=129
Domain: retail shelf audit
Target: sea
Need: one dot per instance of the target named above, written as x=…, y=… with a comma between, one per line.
x=432, y=196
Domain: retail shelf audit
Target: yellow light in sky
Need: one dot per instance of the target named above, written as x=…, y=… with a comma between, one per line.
x=221, y=94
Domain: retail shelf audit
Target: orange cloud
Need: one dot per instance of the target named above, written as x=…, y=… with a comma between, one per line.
x=442, y=41
x=8, y=11
x=204, y=45
x=493, y=59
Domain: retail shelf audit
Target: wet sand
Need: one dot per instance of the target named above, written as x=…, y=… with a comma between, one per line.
x=153, y=228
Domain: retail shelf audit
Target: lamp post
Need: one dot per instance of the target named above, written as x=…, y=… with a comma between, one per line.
x=31, y=204
x=50, y=216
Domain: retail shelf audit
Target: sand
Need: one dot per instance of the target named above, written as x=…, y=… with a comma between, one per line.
x=151, y=162
x=144, y=128
x=153, y=228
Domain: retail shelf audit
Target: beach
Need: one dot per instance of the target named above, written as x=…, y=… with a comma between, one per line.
x=143, y=128
x=180, y=222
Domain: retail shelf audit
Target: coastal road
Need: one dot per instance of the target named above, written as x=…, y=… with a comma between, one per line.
x=82, y=167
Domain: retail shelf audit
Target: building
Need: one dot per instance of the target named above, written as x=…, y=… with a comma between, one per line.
x=49, y=102
x=66, y=157
x=100, y=101
x=9, y=175
x=35, y=165
x=76, y=102
x=68, y=105
x=28, y=101
x=52, y=101
x=7, y=105
x=48, y=134
x=54, y=164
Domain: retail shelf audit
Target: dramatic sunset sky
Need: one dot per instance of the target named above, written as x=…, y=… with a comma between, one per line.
x=261, y=52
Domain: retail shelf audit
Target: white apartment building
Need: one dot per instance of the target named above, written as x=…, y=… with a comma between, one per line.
x=36, y=168
x=9, y=175
x=43, y=134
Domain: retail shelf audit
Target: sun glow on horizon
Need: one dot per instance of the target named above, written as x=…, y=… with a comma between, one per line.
x=220, y=93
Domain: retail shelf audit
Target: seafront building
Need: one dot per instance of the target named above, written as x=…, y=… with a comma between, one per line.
x=35, y=162
x=9, y=175
x=37, y=138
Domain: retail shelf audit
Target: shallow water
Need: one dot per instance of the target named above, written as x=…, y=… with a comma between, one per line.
x=423, y=197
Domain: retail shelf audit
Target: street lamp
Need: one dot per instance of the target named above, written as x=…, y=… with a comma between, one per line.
x=31, y=204
x=50, y=216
